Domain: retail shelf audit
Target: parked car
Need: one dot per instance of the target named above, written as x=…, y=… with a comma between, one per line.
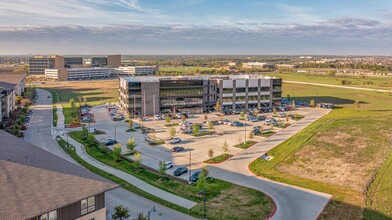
x=255, y=120
x=173, y=140
x=261, y=118
x=195, y=176
x=109, y=141
x=177, y=149
x=257, y=127
x=256, y=131
x=48, y=96
x=147, y=130
x=24, y=127
x=179, y=171
x=186, y=130
x=282, y=115
x=237, y=112
x=157, y=117
x=168, y=164
x=237, y=124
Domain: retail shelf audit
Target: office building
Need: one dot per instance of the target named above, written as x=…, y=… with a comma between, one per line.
x=153, y=95
x=137, y=70
x=284, y=66
x=38, y=64
x=37, y=185
x=63, y=74
x=112, y=61
x=257, y=65
x=73, y=62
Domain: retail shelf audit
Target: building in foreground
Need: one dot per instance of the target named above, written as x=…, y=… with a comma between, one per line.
x=37, y=185
x=137, y=70
x=63, y=74
x=257, y=65
x=11, y=85
x=153, y=95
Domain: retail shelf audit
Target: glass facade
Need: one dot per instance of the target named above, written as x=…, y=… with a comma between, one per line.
x=181, y=92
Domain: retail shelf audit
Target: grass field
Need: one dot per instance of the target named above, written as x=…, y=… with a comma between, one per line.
x=183, y=69
x=95, y=92
x=224, y=200
x=355, y=81
x=341, y=153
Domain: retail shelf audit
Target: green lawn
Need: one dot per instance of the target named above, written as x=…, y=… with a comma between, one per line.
x=218, y=159
x=356, y=81
x=340, y=153
x=183, y=69
x=245, y=145
x=221, y=195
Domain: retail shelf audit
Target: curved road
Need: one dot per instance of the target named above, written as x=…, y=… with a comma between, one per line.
x=39, y=134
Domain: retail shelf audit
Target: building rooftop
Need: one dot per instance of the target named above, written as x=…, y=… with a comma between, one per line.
x=157, y=79
x=34, y=181
x=8, y=80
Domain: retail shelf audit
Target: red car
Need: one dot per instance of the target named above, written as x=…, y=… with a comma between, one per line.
x=24, y=127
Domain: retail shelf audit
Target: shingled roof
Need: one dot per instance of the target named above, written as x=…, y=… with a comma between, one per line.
x=34, y=181
x=8, y=80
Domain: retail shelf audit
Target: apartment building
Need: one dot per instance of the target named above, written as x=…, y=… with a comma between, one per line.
x=11, y=85
x=38, y=64
x=37, y=185
x=137, y=70
x=257, y=65
x=63, y=74
x=197, y=94
x=112, y=61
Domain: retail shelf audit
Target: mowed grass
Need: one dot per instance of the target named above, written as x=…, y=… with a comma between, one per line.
x=356, y=81
x=94, y=91
x=341, y=153
x=224, y=200
x=183, y=69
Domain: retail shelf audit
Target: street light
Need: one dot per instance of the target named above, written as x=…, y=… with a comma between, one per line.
x=115, y=134
x=149, y=212
x=190, y=165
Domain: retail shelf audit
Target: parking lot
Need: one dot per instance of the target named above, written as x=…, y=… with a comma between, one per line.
x=195, y=147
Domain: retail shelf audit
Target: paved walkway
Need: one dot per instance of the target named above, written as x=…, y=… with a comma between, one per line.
x=80, y=150
x=337, y=86
x=60, y=117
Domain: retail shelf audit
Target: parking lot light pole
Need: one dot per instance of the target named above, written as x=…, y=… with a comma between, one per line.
x=190, y=165
x=115, y=133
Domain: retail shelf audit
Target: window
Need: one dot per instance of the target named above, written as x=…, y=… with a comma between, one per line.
x=49, y=216
x=87, y=205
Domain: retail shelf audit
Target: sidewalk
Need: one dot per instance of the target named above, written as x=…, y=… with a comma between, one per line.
x=129, y=178
x=60, y=116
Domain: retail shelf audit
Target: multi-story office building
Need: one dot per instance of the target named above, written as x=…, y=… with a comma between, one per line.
x=63, y=74
x=71, y=62
x=137, y=70
x=112, y=61
x=257, y=65
x=153, y=95
x=38, y=64
x=37, y=185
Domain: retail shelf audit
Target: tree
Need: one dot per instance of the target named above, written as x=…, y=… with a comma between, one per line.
x=117, y=151
x=131, y=144
x=357, y=105
x=210, y=126
x=242, y=114
x=172, y=132
x=84, y=132
x=210, y=153
x=251, y=135
x=120, y=213
x=288, y=96
x=162, y=169
x=130, y=124
x=205, y=117
x=225, y=147
x=183, y=118
x=196, y=128
x=293, y=104
x=167, y=119
x=141, y=216
x=274, y=111
x=137, y=159
x=200, y=184
x=217, y=105
x=73, y=107
x=287, y=117
x=312, y=103
x=90, y=139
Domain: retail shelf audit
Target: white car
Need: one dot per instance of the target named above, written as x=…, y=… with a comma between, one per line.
x=173, y=140
x=157, y=117
x=168, y=164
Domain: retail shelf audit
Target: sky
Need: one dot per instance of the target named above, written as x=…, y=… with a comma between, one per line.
x=254, y=27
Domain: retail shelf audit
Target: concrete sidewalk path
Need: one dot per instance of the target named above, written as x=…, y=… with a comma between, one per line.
x=80, y=150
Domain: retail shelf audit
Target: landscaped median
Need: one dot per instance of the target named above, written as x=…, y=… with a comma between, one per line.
x=222, y=197
x=218, y=159
x=245, y=145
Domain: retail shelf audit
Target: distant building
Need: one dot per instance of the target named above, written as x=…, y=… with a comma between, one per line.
x=137, y=70
x=38, y=64
x=112, y=61
x=284, y=66
x=63, y=74
x=197, y=94
x=257, y=65
x=37, y=185
x=232, y=64
x=11, y=85
x=72, y=62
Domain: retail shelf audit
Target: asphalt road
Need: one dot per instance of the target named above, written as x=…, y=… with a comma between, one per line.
x=39, y=134
x=336, y=86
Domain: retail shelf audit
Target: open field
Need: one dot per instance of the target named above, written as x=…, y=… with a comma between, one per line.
x=95, y=92
x=377, y=82
x=183, y=69
x=340, y=153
